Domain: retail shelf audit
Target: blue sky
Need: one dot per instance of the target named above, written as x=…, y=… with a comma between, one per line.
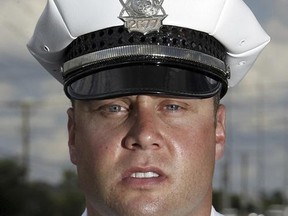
x=257, y=119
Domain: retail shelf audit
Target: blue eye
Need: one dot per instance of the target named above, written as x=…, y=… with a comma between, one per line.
x=115, y=108
x=173, y=107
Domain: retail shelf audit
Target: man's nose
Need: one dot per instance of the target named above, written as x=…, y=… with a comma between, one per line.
x=144, y=132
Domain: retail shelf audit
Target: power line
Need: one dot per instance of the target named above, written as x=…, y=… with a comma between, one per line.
x=26, y=108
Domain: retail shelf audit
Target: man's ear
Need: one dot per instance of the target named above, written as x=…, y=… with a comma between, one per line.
x=220, y=132
x=71, y=135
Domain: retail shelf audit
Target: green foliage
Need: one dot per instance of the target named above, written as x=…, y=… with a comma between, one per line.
x=19, y=197
x=12, y=188
x=243, y=207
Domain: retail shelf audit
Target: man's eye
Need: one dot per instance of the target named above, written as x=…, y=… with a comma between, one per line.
x=172, y=107
x=115, y=108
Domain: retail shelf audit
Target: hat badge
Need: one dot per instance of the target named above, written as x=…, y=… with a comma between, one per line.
x=143, y=16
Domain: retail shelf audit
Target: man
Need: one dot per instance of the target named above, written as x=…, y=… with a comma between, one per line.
x=145, y=78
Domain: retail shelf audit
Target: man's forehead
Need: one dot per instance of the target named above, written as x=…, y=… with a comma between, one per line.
x=134, y=99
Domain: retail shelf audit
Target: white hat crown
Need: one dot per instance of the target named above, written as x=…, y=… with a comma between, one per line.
x=231, y=22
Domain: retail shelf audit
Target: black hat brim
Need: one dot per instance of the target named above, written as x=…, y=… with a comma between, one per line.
x=143, y=79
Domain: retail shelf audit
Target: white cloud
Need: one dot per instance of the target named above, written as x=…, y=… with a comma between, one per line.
x=50, y=154
x=17, y=21
x=270, y=66
x=54, y=90
x=7, y=91
x=52, y=146
x=278, y=30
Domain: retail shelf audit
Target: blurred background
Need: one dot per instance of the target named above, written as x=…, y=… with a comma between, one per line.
x=36, y=176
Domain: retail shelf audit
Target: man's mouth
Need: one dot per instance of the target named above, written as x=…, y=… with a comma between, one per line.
x=143, y=175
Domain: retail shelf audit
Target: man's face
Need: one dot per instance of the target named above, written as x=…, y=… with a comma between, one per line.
x=146, y=155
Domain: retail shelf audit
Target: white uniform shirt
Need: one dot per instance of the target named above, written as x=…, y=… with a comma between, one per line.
x=213, y=213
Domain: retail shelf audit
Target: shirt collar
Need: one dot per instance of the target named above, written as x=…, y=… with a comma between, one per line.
x=85, y=213
x=213, y=212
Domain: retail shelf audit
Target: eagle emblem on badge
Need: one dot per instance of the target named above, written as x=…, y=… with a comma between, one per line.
x=143, y=16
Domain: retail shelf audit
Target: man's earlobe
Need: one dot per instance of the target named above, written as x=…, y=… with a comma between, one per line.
x=220, y=132
x=71, y=136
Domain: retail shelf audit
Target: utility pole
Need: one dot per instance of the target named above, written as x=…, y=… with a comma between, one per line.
x=244, y=180
x=285, y=158
x=25, y=109
x=25, y=133
x=260, y=115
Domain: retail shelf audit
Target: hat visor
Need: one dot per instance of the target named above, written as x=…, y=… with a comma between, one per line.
x=142, y=79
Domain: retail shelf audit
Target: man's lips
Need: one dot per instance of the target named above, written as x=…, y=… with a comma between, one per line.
x=142, y=177
x=143, y=172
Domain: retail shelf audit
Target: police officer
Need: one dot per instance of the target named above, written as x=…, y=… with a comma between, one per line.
x=145, y=78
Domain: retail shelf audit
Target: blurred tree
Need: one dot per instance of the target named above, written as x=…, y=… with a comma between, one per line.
x=18, y=197
x=39, y=200
x=217, y=200
x=276, y=198
x=70, y=199
x=12, y=188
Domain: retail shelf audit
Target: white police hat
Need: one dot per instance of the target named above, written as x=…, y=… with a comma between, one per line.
x=101, y=49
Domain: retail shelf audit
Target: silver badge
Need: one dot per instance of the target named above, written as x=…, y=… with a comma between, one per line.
x=143, y=16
